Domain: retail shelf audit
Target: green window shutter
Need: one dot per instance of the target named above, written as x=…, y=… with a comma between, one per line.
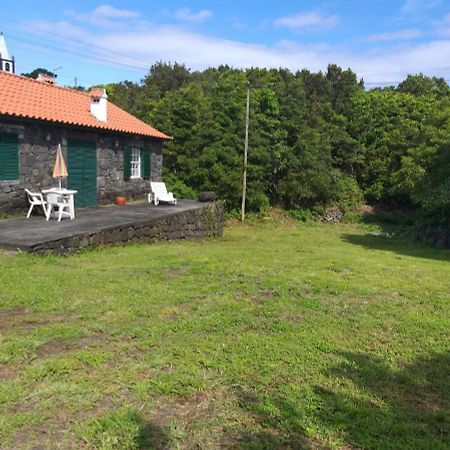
x=145, y=164
x=9, y=156
x=127, y=164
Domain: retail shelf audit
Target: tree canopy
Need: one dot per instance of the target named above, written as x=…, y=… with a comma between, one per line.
x=35, y=73
x=316, y=139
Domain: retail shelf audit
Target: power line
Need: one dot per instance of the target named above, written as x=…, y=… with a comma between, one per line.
x=74, y=52
x=60, y=58
x=54, y=36
x=58, y=45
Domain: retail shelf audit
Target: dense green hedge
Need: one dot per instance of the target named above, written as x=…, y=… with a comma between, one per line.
x=316, y=139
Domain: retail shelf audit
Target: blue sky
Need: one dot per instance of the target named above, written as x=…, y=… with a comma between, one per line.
x=102, y=42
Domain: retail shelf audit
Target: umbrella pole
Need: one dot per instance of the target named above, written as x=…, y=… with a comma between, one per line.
x=59, y=183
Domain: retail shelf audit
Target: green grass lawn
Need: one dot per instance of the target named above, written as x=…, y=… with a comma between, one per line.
x=278, y=335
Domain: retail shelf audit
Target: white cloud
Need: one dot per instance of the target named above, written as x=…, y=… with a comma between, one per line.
x=139, y=44
x=417, y=7
x=308, y=21
x=104, y=15
x=429, y=58
x=187, y=15
x=198, y=51
x=400, y=35
x=411, y=6
x=57, y=29
x=443, y=26
x=109, y=12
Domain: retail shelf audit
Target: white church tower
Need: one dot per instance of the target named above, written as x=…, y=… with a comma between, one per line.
x=7, y=64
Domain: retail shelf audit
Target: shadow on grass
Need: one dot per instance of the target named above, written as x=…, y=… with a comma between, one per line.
x=386, y=408
x=401, y=246
x=370, y=406
x=125, y=428
x=275, y=423
x=152, y=437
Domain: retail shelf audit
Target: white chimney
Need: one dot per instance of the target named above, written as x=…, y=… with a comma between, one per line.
x=99, y=104
x=44, y=78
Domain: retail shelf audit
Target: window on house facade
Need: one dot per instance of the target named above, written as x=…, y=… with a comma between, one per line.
x=136, y=163
x=9, y=157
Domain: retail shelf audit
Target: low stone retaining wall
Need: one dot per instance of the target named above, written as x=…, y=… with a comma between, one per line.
x=204, y=221
x=194, y=224
x=436, y=236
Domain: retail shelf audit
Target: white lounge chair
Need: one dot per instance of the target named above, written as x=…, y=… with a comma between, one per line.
x=57, y=200
x=36, y=199
x=159, y=194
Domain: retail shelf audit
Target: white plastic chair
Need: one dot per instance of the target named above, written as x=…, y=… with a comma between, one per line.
x=159, y=194
x=36, y=199
x=63, y=205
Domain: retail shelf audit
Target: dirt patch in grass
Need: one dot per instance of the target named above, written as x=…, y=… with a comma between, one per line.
x=56, y=430
x=7, y=315
x=54, y=347
x=174, y=312
x=6, y=373
x=220, y=418
x=240, y=294
x=174, y=272
x=104, y=404
x=147, y=373
x=109, y=402
x=25, y=405
x=259, y=298
x=8, y=253
x=186, y=409
x=262, y=296
x=63, y=346
x=171, y=316
x=292, y=318
x=92, y=340
x=339, y=305
x=22, y=319
x=50, y=433
x=188, y=423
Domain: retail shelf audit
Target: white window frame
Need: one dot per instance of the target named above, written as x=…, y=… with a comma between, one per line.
x=135, y=163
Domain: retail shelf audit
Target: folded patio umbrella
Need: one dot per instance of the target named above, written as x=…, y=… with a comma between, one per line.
x=60, y=169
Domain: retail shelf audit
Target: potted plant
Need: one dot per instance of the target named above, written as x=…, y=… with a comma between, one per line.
x=120, y=200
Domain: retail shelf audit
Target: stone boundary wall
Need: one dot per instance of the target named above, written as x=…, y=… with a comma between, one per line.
x=199, y=223
x=435, y=236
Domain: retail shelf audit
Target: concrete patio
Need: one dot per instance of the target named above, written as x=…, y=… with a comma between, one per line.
x=113, y=224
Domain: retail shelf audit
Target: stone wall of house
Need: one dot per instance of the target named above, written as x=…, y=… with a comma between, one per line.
x=37, y=152
x=110, y=170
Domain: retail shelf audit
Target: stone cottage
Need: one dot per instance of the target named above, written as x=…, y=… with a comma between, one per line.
x=108, y=152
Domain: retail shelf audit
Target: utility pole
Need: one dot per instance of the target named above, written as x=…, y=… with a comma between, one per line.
x=244, y=181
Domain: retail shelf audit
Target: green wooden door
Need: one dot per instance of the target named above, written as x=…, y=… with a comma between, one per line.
x=82, y=168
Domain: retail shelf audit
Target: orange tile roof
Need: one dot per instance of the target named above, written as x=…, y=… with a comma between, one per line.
x=27, y=98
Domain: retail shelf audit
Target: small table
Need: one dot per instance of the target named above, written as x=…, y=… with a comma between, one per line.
x=66, y=193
